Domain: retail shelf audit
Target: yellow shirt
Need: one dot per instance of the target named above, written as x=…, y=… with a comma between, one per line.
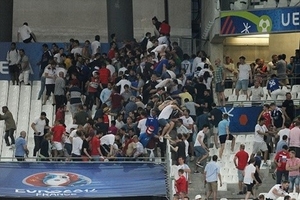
x=68, y=63
x=185, y=95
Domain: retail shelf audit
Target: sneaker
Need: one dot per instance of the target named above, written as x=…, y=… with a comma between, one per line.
x=7, y=144
x=196, y=172
x=240, y=193
x=12, y=146
x=199, y=165
x=190, y=182
x=274, y=175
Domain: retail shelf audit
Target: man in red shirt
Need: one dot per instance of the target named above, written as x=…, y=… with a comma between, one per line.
x=280, y=161
x=116, y=101
x=181, y=182
x=58, y=131
x=95, y=147
x=104, y=76
x=93, y=95
x=240, y=161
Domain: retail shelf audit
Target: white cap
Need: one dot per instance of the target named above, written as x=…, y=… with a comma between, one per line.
x=197, y=197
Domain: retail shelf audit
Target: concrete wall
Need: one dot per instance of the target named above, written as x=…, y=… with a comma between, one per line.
x=284, y=43
x=59, y=20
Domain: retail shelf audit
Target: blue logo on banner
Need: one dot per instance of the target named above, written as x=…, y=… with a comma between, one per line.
x=56, y=179
x=260, y=21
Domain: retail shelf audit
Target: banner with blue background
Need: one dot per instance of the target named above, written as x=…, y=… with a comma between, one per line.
x=242, y=119
x=34, y=52
x=260, y=21
x=77, y=180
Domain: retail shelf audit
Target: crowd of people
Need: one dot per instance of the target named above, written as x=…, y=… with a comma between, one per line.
x=145, y=93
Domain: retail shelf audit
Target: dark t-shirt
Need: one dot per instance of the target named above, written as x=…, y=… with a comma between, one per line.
x=277, y=117
x=200, y=87
x=85, y=145
x=181, y=150
x=217, y=113
x=81, y=117
x=289, y=108
x=209, y=100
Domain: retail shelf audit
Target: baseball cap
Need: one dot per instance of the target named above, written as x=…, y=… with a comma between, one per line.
x=197, y=197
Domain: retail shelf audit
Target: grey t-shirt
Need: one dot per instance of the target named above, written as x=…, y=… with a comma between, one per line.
x=24, y=63
x=59, y=86
x=281, y=68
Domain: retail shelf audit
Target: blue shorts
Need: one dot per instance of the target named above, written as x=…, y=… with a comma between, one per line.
x=222, y=138
x=163, y=122
x=242, y=84
x=199, y=151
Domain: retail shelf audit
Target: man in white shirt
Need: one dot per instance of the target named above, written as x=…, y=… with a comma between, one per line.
x=164, y=118
x=107, y=144
x=76, y=50
x=278, y=190
x=122, y=83
x=26, y=34
x=185, y=167
x=256, y=92
x=243, y=77
x=201, y=150
x=249, y=178
x=259, y=144
x=285, y=131
x=13, y=58
x=50, y=75
x=96, y=45
x=38, y=126
x=77, y=146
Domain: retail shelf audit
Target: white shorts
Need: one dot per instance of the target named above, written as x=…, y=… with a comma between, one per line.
x=58, y=146
x=259, y=146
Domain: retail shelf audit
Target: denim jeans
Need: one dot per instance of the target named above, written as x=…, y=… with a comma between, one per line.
x=279, y=175
x=294, y=181
x=43, y=85
x=9, y=133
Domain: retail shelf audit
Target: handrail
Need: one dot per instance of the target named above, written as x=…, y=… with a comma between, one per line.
x=169, y=165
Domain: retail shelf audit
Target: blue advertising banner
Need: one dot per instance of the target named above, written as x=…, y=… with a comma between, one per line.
x=242, y=119
x=260, y=21
x=34, y=52
x=77, y=180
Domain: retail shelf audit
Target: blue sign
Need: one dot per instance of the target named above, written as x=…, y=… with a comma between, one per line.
x=34, y=52
x=260, y=21
x=242, y=119
x=77, y=180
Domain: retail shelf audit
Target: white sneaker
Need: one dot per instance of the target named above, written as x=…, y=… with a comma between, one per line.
x=12, y=147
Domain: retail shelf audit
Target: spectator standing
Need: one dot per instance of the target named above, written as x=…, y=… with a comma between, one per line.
x=215, y=116
x=26, y=34
x=286, y=131
x=59, y=90
x=25, y=68
x=21, y=147
x=10, y=126
x=81, y=117
x=244, y=75
x=294, y=139
x=256, y=92
x=181, y=183
x=224, y=134
x=288, y=107
x=50, y=75
x=240, y=161
x=266, y=113
x=77, y=143
x=75, y=94
x=259, y=143
x=292, y=166
x=278, y=118
x=249, y=178
x=13, y=58
x=157, y=25
x=230, y=72
x=219, y=79
x=212, y=174
x=58, y=132
x=281, y=69
x=44, y=151
x=280, y=161
x=38, y=126
x=95, y=147
x=46, y=57
x=96, y=45
x=105, y=95
x=186, y=169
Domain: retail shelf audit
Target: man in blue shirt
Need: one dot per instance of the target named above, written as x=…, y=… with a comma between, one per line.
x=223, y=128
x=273, y=88
x=21, y=147
x=212, y=173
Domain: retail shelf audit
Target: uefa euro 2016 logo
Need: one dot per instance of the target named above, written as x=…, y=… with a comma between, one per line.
x=56, y=179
